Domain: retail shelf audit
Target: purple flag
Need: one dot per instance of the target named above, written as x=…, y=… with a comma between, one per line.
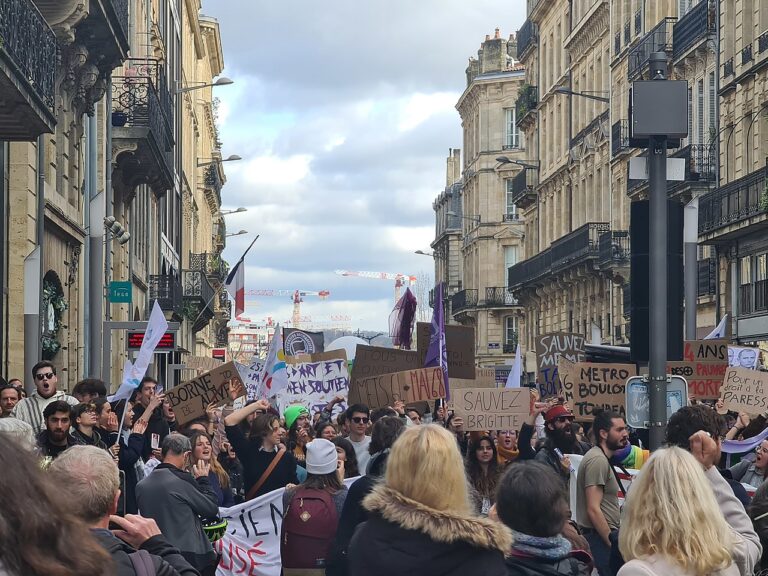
x=401, y=320
x=437, y=353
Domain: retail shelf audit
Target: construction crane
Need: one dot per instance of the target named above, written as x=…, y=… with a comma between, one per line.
x=297, y=296
x=399, y=279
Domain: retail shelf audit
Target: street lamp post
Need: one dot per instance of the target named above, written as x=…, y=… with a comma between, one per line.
x=475, y=219
x=527, y=164
x=228, y=212
x=586, y=94
x=240, y=233
x=222, y=81
x=209, y=161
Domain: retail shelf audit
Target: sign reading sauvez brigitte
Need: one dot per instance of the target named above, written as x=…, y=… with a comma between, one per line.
x=492, y=408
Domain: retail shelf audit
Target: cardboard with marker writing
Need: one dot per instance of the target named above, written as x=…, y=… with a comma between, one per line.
x=460, y=347
x=589, y=385
x=484, y=378
x=410, y=386
x=550, y=348
x=190, y=399
x=373, y=361
x=492, y=408
x=745, y=390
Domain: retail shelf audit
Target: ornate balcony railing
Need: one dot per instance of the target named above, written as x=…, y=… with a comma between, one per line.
x=580, y=244
x=613, y=249
x=213, y=180
x=514, y=217
x=657, y=40
x=224, y=305
x=464, y=300
x=746, y=54
x=707, y=273
x=211, y=264
x=526, y=37
x=619, y=137
x=734, y=202
x=28, y=46
x=527, y=100
x=728, y=67
x=529, y=270
x=522, y=188
x=499, y=296
x=166, y=289
x=199, y=294
x=696, y=25
x=700, y=162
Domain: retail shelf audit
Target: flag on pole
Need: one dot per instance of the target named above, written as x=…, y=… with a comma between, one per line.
x=513, y=380
x=719, y=331
x=274, y=376
x=401, y=320
x=235, y=282
x=133, y=372
x=437, y=353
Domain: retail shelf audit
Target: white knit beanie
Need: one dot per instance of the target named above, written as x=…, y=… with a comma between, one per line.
x=321, y=457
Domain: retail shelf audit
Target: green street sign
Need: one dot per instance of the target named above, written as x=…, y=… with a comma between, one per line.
x=120, y=292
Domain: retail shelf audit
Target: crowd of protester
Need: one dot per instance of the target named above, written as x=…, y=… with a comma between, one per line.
x=96, y=488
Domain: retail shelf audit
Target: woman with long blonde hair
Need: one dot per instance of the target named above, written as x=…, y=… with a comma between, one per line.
x=421, y=517
x=672, y=523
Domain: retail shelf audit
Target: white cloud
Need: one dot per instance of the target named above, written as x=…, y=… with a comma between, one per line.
x=420, y=107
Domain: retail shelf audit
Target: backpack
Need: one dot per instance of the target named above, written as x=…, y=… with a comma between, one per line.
x=142, y=563
x=309, y=529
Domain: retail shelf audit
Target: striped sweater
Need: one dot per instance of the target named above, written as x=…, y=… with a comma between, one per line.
x=30, y=410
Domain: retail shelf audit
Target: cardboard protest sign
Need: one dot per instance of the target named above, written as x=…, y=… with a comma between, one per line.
x=315, y=384
x=705, y=351
x=492, y=408
x=202, y=363
x=460, y=345
x=372, y=361
x=745, y=390
x=704, y=378
x=190, y=399
x=319, y=357
x=588, y=385
x=251, y=377
x=550, y=348
x=484, y=378
x=410, y=386
x=743, y=357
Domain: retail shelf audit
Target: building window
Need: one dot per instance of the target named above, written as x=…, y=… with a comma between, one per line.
x=690, y=115
x=510, y=256
x=511, y=207
x=511, y=136
x=510, y=331
x=712, y=108
x=700, y=112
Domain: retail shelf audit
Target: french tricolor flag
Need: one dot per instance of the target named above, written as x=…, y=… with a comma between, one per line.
x=235, y=282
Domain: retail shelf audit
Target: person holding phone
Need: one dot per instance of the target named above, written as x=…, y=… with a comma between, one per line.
x=159, y=423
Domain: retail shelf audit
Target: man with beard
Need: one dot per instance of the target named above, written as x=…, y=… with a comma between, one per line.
x=560, y=436
x=597, y=487
x=30, y=410
x=56, y=437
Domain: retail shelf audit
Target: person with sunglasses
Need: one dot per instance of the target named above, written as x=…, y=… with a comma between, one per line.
x=560, y=438
x=358, y=416
x=752, y=473
x=30, y=410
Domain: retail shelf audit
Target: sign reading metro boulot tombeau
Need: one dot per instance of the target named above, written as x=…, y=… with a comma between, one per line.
x=190, y=399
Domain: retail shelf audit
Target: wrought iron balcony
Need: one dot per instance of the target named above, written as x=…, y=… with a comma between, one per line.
x=762, y=42
x=526, y=38
x=213, y=181
x=527, y=100
x=28, y=60
x=210, y=263
x=464, y=300
x=619, y=137
x=746, y=55
x=735, y=202
x=166, y=290
x=728, y=68
x=697, y=24
x=523, y=188
x=198, y=299
x=499, y=297
x=530, y=270
x=221, y=332
x=707, y=272
x=579, y=245
x=753, y=298
x=657, y=40
x=223, y=305
x=613, y=249
x=142, y=117
x=700, y=162
x=515, y=217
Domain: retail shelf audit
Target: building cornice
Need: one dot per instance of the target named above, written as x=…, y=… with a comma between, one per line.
x=589, y=31
x=491, y=78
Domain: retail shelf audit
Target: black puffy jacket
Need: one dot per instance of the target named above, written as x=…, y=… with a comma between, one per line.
x=570, y=566
x=168, y=560
x=406, y=538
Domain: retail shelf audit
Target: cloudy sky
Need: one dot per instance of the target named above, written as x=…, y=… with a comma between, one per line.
x=343, y=112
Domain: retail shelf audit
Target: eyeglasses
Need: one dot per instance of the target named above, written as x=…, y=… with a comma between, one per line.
x=46, y=375
x=761, y=450
x=564, y=419
x=360, y=420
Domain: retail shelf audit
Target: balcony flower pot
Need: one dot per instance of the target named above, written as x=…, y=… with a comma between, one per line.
x=119, y=118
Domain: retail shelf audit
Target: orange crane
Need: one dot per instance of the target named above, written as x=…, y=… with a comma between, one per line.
x=399, y=279
x=297, y=296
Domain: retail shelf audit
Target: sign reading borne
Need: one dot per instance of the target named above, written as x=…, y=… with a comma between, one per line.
x=190, y=399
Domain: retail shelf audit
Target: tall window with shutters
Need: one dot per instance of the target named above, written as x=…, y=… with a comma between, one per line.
x=511, y=135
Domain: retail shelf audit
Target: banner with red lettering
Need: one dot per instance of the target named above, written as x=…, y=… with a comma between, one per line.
x=251, y=545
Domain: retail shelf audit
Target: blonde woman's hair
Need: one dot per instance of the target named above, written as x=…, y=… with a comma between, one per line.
x=425, y=465
x=671, y=511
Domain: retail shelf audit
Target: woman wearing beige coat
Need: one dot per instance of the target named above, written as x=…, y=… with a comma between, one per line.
x=682, y=518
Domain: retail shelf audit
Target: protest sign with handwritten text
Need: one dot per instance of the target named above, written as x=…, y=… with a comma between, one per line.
x=410, y=386
x=315, y=384
x=190, y=399
x=373, y=361
x=492, y=408
x=484, y=378
x=587, y=386
x=460, y=347
x=745, y=390
x=549, y=349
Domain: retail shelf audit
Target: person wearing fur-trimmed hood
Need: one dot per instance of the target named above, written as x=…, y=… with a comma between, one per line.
x=421, y=519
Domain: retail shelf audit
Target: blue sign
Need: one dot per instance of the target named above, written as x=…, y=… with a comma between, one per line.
x=120, y=292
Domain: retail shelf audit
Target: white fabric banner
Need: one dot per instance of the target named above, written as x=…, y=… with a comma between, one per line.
x=251, y=545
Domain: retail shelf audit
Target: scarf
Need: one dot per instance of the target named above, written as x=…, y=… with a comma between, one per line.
x=552, y=548
x=505, y=455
